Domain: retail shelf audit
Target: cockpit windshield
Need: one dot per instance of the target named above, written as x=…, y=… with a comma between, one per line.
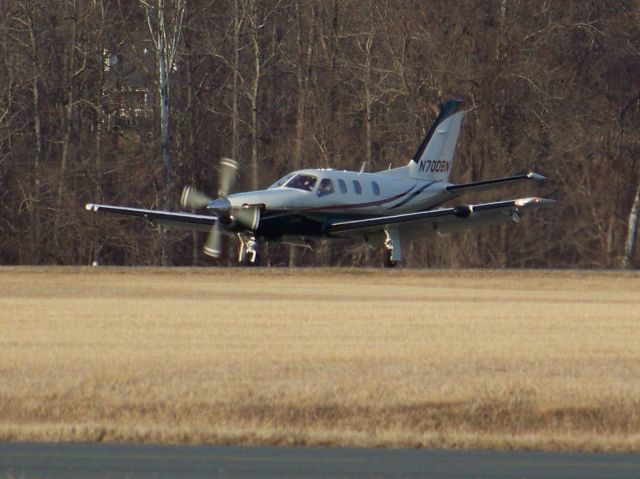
x=302, y=181
x=282, y=181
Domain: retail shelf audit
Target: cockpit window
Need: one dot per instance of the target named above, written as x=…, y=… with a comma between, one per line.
x=302, y=182
x=281, y=181
x=326, y=187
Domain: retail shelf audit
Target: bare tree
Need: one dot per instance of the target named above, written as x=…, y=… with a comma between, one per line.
x=304, y=58
x=71, y=71
x=165, y=45
x=235, y=92
x=35, y=207
x=632, y=231
x=256, y=19
x=325, y=84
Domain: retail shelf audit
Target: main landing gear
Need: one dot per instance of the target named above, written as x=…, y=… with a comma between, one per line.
x=386, y=258
x=392, y=250
x=248, y=250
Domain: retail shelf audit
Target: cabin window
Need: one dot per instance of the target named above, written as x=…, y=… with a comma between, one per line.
x=376, y=188
x=343, y=186
x=326, y=187
x=357, y=187
x=302, y=182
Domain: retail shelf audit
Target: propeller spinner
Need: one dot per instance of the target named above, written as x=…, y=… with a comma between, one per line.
x=247, y=215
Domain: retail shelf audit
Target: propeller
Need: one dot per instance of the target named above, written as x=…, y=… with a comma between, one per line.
x=213, y=245
x=228, y=169
x=246, y=215
x=192, y=198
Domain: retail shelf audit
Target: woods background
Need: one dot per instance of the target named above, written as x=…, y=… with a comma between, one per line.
x=125, y=102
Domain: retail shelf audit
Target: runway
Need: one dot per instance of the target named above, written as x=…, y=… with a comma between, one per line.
x=29, y=460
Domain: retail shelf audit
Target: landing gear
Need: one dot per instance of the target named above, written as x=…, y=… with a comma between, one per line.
x=386, y=258
x=247, y=251
x=392, y=252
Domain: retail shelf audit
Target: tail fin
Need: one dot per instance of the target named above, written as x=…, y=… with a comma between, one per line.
x=434, y=157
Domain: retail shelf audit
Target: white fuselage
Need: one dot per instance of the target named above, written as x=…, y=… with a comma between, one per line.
x=350, y=193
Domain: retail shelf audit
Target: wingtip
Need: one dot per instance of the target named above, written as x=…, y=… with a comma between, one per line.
x=534, y=201
x=547, y=202
x=536, y=176
x=90, y=207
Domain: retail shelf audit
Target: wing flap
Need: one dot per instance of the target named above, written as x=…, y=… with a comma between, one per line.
x=167, y=218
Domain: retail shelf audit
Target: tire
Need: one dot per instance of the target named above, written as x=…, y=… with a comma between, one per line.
x=386, y=259
x=251, y=264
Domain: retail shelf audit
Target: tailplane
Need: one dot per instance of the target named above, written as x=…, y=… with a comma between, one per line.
x=434, y=158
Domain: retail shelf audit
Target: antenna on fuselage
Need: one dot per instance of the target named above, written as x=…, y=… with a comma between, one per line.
x=363, y=168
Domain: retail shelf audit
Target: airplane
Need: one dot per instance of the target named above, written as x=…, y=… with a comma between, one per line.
x=384, y=209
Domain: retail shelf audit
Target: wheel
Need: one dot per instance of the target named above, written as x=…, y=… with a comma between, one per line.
x=386, y=259
x=248, y=263
x=255, y=263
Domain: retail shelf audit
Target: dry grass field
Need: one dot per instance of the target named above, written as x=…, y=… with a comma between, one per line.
x=488, y=359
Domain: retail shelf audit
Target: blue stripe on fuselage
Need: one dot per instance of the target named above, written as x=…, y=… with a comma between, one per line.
x=412, y=196
x=350, y=206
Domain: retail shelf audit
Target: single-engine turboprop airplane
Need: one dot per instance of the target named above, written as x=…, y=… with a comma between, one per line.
x=384, y=209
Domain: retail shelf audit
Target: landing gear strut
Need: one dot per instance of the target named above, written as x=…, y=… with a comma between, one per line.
x=248, y=250
x=392, y=252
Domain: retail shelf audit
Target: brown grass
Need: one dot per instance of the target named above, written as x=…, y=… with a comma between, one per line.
x=546, y=360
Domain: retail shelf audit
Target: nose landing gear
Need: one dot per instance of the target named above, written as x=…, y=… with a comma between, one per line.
x=248, y=250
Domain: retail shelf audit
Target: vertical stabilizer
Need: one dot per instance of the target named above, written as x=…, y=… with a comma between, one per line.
x=434, y=158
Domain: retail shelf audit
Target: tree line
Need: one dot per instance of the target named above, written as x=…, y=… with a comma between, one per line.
x=124, y=102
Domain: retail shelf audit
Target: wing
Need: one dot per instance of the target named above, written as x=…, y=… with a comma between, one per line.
x=441, y=221
x=486, y=184
x=167, y=218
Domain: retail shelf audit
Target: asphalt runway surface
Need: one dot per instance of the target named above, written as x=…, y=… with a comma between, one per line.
x=28, y=460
